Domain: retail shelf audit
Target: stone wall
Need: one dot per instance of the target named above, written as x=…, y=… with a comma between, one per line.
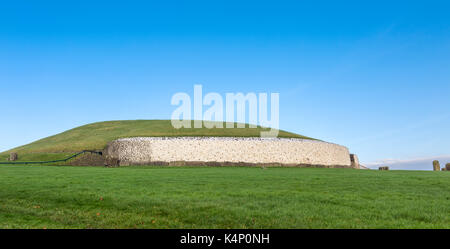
x=226, y=151
x=354, y=161
x=88, y=159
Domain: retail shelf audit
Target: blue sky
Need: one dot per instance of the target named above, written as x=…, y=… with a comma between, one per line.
x=371, y=76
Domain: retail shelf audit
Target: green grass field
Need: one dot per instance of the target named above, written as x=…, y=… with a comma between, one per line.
x=214, y=197
x=95, y=137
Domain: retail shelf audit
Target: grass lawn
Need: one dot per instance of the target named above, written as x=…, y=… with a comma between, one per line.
x=214, y=197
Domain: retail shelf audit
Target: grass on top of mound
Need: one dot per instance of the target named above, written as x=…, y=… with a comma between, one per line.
x=95, y=136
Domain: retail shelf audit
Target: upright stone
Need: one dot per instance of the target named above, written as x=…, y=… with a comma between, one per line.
x=383, y=168
x=436, y=165
x=13, y=156
x=447, y=167
x=354, y=161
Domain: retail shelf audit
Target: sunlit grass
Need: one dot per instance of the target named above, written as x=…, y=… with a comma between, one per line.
x=214, y=197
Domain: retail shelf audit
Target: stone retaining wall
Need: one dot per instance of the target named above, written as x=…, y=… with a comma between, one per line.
x=226, y=151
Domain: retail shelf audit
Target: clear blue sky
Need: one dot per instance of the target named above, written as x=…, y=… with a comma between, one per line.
x=372, y=76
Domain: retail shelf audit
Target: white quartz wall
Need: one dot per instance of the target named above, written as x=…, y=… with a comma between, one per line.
x=145, y=150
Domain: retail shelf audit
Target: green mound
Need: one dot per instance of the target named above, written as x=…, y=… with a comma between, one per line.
x=96, y=136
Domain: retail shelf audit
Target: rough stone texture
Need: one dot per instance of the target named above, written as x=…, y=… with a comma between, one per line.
x=112, y=162
x=13, y=156
x=436, y=165
x=88, y=159
x=225, y=151
x=383, y=168
x=447, y=167
x=354, y=161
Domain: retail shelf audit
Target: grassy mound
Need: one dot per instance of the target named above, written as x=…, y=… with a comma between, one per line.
x=95, y=137
x=191, y=197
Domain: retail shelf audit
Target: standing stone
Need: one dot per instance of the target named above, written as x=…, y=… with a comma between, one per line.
x=13, y=156
x=354, y=161
x=436, y=165
x=383, y=168
x=447, y=167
